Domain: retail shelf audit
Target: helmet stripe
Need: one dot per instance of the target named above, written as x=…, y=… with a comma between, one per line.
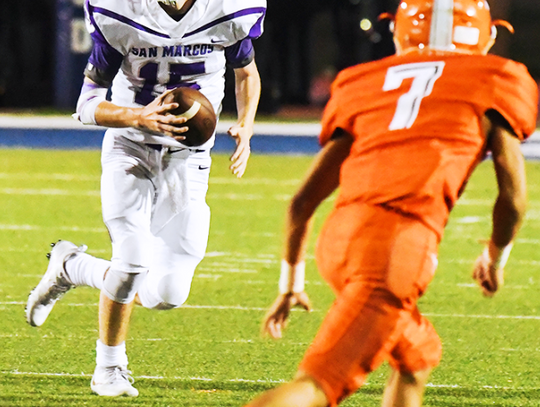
x=442, y=24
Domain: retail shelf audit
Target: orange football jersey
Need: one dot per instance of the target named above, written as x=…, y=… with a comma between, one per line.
x=416, y=121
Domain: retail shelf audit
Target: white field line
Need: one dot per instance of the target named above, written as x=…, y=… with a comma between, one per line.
x=236, y=257
x=527, y=241
x=470, y=219
x=48, y=192
x=471, y=262
x=483, y=202
x=228, y=270
x=513, y=287
x=258, y=309
x=244, y=233
x=518, y=317
x=255, y=282
x=212, y=307
x=240, y=256
x=96, y=193
x=62, y=228
x=138, y=339
x=205, y=379
x=461, y=237
x=96, y=178
x=252, y=181
x=245, y=197
x=262, y=381
x=42, y=251
x=475, y=202
x=48, y=177
x=209, y=276
x=233, y=262
x=529, y=216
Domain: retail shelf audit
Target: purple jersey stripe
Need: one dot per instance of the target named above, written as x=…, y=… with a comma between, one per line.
x=125, y=20
x=103, y=57
x=245, y=12
x=97, y=33
x=256, y=30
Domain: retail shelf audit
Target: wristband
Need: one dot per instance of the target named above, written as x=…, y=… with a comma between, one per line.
x=298, y=277
x=498, y=256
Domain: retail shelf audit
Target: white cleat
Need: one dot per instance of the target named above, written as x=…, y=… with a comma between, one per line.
x=113, y=382
x=53, y=285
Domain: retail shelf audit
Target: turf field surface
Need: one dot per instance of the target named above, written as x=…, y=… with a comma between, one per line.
x=210, y=352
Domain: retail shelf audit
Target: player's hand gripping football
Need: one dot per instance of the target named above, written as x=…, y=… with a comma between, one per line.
x=154, y=117
x=242, y=136
x=277, y=316
x=488, y=274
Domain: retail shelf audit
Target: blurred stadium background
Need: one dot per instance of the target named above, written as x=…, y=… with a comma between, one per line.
x=222, y=360
x=44, y=47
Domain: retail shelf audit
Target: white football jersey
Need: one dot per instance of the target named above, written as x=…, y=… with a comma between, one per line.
x=149, y=52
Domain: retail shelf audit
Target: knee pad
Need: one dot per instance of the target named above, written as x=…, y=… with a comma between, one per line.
x=121, y=285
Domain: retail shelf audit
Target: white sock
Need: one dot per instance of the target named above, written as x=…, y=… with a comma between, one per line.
x=83, y=269
x=108, y=356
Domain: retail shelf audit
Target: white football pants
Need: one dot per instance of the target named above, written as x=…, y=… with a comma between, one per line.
x=154, y=207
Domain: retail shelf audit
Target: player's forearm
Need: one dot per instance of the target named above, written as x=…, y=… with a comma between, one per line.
x=297, y=229
x=511, y=202
x=508, y=213
x=297, y=232
x=110, y=115
x=94, y=108
x=292, y=274
x=315, y=190
x=248, y=93
x=322, y=179
x=507, y=217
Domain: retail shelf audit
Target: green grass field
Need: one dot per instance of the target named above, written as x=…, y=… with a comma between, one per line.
x=210, y=352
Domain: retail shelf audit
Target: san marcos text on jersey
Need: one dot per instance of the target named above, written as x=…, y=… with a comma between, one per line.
x=142, y=51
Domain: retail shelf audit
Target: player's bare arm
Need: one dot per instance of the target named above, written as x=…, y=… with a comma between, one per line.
x=152, y=117
x=322, y=179
x=248, y=92
x=510, y=205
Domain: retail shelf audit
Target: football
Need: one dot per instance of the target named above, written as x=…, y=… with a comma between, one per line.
x=193, y=105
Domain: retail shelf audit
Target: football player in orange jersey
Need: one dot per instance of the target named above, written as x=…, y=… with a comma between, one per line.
x=401, y=136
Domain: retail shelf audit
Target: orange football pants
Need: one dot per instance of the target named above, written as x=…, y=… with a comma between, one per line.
x=378, y=263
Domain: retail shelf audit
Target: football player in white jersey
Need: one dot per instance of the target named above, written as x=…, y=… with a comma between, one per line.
x=153, y=187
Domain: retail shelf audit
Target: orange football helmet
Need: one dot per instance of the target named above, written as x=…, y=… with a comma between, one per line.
x=462, y=26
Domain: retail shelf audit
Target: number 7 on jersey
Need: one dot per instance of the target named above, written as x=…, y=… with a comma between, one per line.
x=424, y=75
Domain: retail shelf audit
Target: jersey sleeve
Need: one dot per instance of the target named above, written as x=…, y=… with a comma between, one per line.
x=336, y=115
x=257, y=28
x=231, y=21
x=240, y=54
x=104, y=60
x=248, y=22
x=516, y=98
